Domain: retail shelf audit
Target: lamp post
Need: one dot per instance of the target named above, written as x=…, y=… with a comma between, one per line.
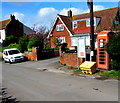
x=90, y=5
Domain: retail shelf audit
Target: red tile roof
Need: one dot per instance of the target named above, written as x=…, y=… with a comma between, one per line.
x=4, y=23
x=107, y=16
x=68, y=22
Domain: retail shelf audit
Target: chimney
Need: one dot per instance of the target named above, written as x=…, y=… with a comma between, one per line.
x=12, y=17
x=70, y=13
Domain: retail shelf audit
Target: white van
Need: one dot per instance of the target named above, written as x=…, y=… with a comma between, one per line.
x=12, y=55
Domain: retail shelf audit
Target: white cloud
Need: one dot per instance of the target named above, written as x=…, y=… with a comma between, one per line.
x=98, y=7
x=95, y=8
x=19, y=16
x=74, y=11
x=45, y=16
x=47, y=11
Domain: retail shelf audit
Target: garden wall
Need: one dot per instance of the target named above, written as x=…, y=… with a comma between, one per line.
x=36, y=54
x=70, y=59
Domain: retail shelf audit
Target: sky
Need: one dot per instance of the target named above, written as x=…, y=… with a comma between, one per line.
x=44, y=13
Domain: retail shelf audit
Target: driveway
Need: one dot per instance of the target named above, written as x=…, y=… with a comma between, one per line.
x=28, y=82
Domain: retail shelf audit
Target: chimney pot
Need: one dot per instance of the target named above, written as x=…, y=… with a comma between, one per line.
x=12, y=17
x=70, y=13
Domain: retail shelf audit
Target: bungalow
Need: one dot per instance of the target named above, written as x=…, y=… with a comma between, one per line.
x=13, y=27
x=69, y=28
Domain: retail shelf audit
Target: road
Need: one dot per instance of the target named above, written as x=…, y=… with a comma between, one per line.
x=28, y=82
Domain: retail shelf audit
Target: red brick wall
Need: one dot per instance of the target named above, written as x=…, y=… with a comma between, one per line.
x=32, y=55
x=1, y=54
x=70, y=59
x=82, y=28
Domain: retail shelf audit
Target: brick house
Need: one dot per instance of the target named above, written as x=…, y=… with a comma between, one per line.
x=69, y=28
x=13, y=27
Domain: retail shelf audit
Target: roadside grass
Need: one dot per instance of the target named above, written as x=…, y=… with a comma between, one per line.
x=77, y=71
x=108, y=74
x=111, y=74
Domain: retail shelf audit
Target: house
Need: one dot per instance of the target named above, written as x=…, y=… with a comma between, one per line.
x=13, y=27
x=69, y=28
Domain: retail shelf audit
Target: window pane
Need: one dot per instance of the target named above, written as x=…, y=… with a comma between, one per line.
x=60, y=27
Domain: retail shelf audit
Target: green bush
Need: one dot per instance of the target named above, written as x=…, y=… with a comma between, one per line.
x=1, y=49
x=115, y=64
x=113, y=48
x=51, y=48
x=29, y=49
x=35, y=42
x=23, y=42
x=9, y=40
x=13, y=45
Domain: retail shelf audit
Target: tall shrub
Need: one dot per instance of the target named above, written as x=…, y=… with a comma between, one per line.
x=9, y=40
x=23, y=42
x=35, y=42
x=113, y=48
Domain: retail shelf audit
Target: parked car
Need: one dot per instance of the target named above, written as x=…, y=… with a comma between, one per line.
x=12, y=55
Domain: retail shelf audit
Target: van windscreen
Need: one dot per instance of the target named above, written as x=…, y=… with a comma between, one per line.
x=11, y=52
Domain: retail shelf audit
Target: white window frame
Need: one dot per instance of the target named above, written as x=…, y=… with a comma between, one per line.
x=75, y=24
x=88, y=21
x=62, y=39
x=60, y=27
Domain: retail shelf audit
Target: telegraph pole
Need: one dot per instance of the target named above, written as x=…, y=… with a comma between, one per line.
x=92, y=42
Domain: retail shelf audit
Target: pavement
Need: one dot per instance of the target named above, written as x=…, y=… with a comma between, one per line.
x=53, y=65
x=45, y=80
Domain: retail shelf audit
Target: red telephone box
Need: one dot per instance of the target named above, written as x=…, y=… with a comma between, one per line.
x=102, y=56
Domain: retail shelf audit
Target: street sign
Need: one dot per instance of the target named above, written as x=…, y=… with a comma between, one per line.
x=81, y=48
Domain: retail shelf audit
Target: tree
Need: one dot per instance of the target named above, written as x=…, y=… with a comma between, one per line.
x=42, y=33
x=113, y=48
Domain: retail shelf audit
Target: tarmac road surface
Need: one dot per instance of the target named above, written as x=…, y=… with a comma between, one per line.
x=32, y=81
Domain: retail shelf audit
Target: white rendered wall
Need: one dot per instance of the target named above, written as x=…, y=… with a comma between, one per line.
x=2, y=35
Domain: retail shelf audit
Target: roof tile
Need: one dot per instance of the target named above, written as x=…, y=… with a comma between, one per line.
x=107, y=16
x=4, y=23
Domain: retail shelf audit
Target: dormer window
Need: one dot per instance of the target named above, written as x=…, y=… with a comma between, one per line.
x=60, y=27
x=96, y=21
x=75, y=24
x=87, y=22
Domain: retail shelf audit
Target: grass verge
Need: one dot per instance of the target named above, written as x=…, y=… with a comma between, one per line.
x=108, y=74
x=111, y=74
